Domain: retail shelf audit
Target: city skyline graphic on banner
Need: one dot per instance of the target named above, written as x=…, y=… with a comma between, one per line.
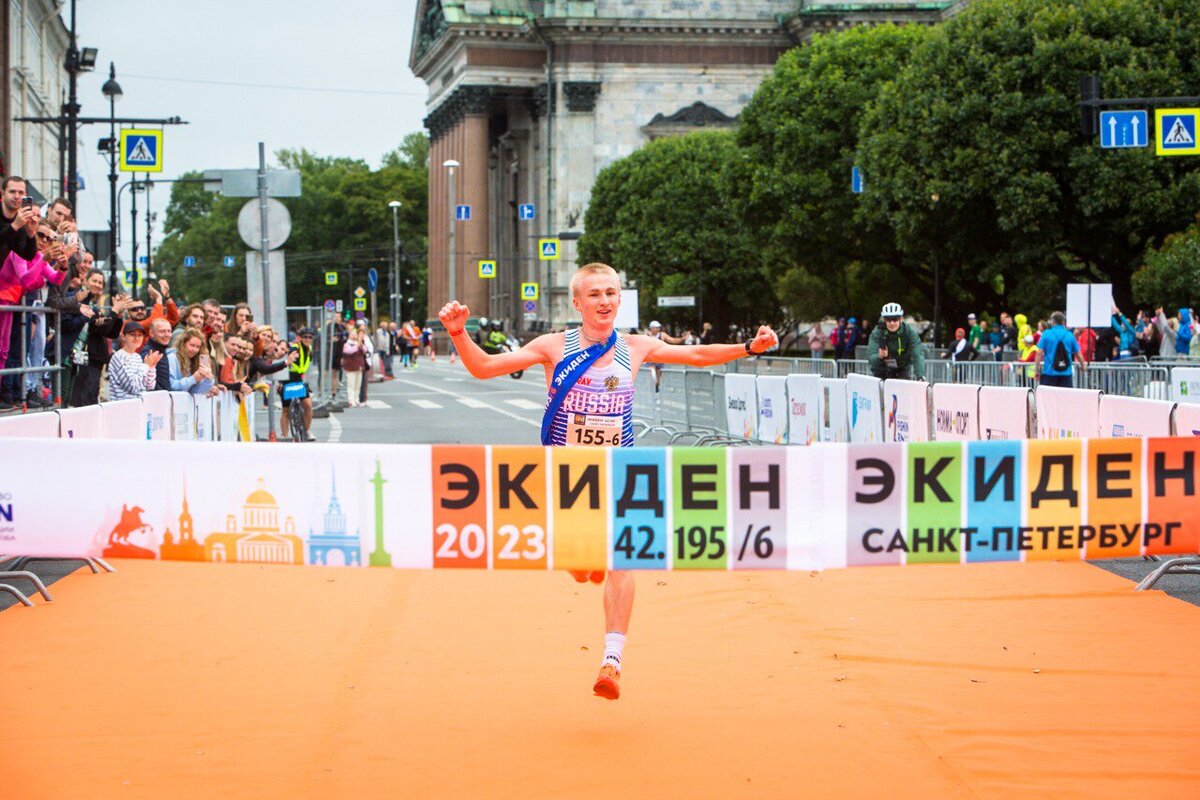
x=260, y=531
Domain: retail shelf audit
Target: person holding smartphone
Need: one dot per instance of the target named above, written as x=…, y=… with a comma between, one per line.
x=17, y=231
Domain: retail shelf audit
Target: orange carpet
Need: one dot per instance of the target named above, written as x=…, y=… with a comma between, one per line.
x=176, y=680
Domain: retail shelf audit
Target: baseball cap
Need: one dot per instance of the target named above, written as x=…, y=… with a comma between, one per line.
x=655, y=324
x=132, y=327
x=1029, y=339
x=306, y=332
x=959, y=332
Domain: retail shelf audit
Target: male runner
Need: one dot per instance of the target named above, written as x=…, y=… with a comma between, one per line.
x=599, y=409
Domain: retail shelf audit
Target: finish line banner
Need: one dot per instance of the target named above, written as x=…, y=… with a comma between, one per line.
x=476, y=507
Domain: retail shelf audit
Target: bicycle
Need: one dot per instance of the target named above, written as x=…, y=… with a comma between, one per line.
x=295, y=392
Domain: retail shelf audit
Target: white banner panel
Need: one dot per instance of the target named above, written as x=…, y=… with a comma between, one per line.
x=1187, y=419
x=227, y=405
x=123, y=419
x=804, y=409
x=1133, y=416
x=906, y=410
x=1185, y=385
x=157, y=408
x=955, y=412
x=206, y=412
x=1003, y=412
x=183, y=417
x=741, y=404
x=39, y=425
x=835, y=413
x=79, y=423
x=1067, y=413
x=772, y=409
x=864, y=397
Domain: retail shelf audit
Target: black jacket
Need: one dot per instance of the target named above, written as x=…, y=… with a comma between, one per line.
x=162, y=370
x=18, y=242
x=101, y=329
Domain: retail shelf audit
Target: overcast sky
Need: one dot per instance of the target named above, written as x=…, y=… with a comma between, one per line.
x=332, y=77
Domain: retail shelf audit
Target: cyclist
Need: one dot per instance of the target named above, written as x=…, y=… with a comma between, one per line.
x=894, y=349
x=303, y=348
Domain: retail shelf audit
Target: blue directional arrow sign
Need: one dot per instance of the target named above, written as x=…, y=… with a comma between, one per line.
x=462, y=213
x=526, y=212
x=856, y=180
x=189, y=261
x=143, y=260
x=229, y=261
x=372, y=278
x=1121, y=129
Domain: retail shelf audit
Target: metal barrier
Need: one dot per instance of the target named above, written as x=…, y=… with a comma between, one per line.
x=855, y=366
x=23, y=370
x=1130, y=380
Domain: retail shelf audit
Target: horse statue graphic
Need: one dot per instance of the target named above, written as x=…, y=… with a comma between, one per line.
x=130, y=522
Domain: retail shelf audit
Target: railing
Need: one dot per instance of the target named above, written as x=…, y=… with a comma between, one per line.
x=24, y=369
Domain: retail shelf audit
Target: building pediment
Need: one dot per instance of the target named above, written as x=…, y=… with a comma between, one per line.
x=698, y=116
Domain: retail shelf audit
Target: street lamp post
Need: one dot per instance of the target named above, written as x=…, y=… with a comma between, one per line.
x=397, y=298
x=112, y=90
x=452, y=165
x=937, y=286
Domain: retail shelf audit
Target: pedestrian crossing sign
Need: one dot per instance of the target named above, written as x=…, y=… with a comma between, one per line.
x=360, y=304
x=487, y=269
x=529, y=291
x=141, y=150
x=1176, y=131
x=548, y=249
x=331, y=278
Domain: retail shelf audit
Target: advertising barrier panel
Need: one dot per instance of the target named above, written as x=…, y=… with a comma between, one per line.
x=864, y=398
x=804, y=409
x=956, y=412
x=1185, y=385
x=1132, y=416
x=906, y=411
x=835, y=411
x=772, y=409
x=738, y=508
x=42, y=425
x=1003, y=413
x=741, y=406
x=1067, y=413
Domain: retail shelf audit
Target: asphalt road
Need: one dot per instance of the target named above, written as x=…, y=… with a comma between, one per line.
x=440, y=403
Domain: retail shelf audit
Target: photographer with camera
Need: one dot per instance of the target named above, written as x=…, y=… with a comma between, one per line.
x=894, y=348
x=87, y=332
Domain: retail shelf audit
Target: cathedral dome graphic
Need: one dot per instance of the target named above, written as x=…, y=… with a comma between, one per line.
x=260, y=537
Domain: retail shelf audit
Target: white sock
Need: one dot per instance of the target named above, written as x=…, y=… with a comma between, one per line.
x=614, y=646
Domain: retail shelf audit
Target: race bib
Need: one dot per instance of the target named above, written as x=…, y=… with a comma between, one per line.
x=595, y=429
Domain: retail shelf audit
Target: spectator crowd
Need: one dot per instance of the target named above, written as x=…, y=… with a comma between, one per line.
x=116, y=346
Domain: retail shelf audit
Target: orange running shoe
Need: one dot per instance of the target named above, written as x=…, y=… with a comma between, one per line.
x=597, y=577
x=608, y=683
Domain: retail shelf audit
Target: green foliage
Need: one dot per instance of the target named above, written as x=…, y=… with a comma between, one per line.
x=984, y=118
x=1171, y=275
x=799, y=134
x=662, y=215
x=341, y=222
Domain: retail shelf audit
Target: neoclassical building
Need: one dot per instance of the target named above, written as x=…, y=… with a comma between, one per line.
x=534, y=97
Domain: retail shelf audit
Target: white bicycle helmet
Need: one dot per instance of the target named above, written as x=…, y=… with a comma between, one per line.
x=655, y=324
x=892, y=310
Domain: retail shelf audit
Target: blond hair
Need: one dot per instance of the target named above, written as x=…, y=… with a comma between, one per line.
x=595, y=268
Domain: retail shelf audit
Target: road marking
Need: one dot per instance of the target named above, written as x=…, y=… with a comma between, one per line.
x=426, y=403
x=456, y=396
x=335, y=429
x=471, y=402
x=377, y=404
x=521, y=402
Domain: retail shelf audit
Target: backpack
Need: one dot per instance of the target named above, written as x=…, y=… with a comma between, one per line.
x=1062, y=360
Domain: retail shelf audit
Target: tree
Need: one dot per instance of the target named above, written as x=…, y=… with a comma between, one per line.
x=973, y=154
x=799, y=135
x=341, y=222
x=662, y=215
x=1171, y=275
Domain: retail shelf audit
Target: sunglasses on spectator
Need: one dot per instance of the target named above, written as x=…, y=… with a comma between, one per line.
x=46, y=237
x=135, y=309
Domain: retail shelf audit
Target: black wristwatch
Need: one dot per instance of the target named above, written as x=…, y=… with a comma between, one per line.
x=749, y=352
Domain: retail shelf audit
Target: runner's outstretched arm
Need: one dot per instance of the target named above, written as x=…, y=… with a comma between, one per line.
x=702, y=355
x=484, y=365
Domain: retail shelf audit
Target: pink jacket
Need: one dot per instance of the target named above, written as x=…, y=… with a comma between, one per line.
x=29, y=275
